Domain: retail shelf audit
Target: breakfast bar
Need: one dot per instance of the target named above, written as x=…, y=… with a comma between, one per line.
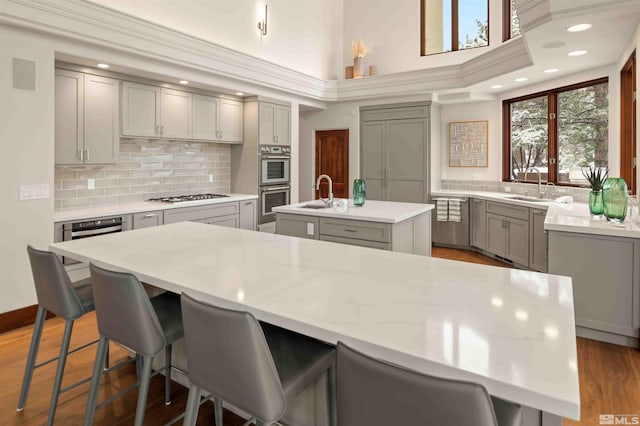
x=512, y=331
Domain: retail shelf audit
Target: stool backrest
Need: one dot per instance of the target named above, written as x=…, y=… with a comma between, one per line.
x=229, y=357
x=53, y=287
x=124, y=312
x=372, y=392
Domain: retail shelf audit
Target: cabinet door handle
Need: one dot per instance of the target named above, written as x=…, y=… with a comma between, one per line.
x=86, y=155
x=81, y=155
x=147, y=216
x=248, y=203
x=274, y=139
x=350, y=230
x=220, y=134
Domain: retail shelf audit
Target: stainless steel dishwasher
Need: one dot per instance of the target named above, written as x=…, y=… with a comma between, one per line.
x=451, y=234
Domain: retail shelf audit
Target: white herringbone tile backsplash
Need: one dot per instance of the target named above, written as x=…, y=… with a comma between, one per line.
x=146, y=169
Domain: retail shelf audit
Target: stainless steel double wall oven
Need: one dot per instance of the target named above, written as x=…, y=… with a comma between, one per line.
x=274, y=182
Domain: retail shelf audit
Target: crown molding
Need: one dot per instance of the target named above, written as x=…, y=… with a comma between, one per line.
x=98, y=26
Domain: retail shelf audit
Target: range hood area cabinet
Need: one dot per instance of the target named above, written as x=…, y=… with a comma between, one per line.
x=274, y=124
x=87, y=125
x=158, y=112
x=395, y=151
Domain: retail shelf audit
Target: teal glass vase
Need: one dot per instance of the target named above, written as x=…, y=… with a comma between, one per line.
x=359, y=192
x=615, y=198
x=596, y=206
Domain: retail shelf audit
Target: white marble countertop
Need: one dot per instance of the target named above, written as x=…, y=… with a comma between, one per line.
x=511, y=330
x=504, y=197
x=576, y=218
x=142, y=206
x=372, y=211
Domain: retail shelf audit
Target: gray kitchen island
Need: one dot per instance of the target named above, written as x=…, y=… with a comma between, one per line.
x=386, y=225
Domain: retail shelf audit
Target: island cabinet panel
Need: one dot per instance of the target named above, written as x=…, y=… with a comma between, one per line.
x=295, y=225
x=605, y=273
x=356, y=229
x=496, y=235
x=479, y=224
x=537, y=241
x=356, y=242
x=231, y=221
x=148, y=219
x=508, y=238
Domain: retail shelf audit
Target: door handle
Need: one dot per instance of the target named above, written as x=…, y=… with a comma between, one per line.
x=81, y=154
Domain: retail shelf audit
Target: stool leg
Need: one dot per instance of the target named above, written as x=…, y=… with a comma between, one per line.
x=143, y=389
x=103, y=344
x=193, y=406
x=106, y=361
x=218, y=411
x=167, y=375
x=138, y=367
x=62, y=360
x=31, y=358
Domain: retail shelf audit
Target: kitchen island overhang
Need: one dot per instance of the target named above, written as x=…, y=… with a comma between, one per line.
x=511, y=330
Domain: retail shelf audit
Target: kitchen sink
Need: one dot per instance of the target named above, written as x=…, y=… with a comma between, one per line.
x=531, y=199
x=313, y=205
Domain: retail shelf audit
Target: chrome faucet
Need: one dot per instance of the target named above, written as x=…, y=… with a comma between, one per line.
x=328, y=201
x=540, y=193
x=553, y=189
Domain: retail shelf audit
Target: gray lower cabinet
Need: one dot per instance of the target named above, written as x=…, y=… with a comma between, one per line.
x=478, y=223
x=231, y=221
x=213, y=214
x=248, y=214
x=508, y=238
x=296, y=225
x=605, y=274
x=409, y=236
x=148, y=219
x=537, y=241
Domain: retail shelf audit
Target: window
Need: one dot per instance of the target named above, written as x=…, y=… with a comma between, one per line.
x=510, y=21
x=556, y=134
x=448, y=25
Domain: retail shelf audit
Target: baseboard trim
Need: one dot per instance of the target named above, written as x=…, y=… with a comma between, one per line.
x=19, y=318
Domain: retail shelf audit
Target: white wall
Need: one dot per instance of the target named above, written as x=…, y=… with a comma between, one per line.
x=26, y=137
x=301, y=35
x=393, y=27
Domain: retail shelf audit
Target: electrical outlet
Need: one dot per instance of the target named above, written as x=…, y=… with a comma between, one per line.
x=443, y=175
x=310, y=228
x=507, y=189
x=34, y=192
x=91, y=184
x=210, y=178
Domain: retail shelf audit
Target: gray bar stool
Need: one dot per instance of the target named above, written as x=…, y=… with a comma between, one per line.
x=257, y=369
x=147, y=326
x=372, y=392
x=57, y=294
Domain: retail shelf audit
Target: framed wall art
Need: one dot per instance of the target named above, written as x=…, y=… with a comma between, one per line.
x=469, y=144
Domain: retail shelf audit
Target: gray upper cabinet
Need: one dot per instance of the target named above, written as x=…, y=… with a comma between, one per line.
x=537, y=241
x=140, y=110
x=274, y=123
x=231, y=121
x=206, y=113
x=395, y=153
x=175, y=114
x=478, y=223
x=86, y=118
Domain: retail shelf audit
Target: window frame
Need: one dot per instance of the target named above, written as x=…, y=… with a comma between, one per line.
x=552, y=129
x=506, y=21
x=454, y=29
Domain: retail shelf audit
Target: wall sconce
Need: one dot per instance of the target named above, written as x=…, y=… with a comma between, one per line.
x=262, y=25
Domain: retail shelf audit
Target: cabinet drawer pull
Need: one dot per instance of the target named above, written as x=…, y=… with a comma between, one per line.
x=350, y=230
x=146, y=216
x=537, y=212
x=248, y=203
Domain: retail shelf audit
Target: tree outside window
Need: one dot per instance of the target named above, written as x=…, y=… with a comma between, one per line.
x=450, y=25
x=559, y=133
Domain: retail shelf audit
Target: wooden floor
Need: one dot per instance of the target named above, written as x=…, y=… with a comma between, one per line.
x=609, y=378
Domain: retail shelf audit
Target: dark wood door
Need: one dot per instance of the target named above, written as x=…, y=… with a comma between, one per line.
x=628, y=123
x=332, y=159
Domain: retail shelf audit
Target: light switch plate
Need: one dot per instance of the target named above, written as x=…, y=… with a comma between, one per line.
x=310, y=228
x=34, y=192
x=443, y=175
x=91, y=184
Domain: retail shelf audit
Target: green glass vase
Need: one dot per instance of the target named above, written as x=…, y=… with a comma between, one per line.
x=359, y=192
x=615, y=198
x=596, y=206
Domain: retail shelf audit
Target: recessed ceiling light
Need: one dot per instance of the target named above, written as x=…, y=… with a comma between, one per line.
x=239, y=93
x=578, y=53
x=521, y=79
x=550, y=70
x=496, y=86
x=103, y=66
x=184, y=82
x=578, y=28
